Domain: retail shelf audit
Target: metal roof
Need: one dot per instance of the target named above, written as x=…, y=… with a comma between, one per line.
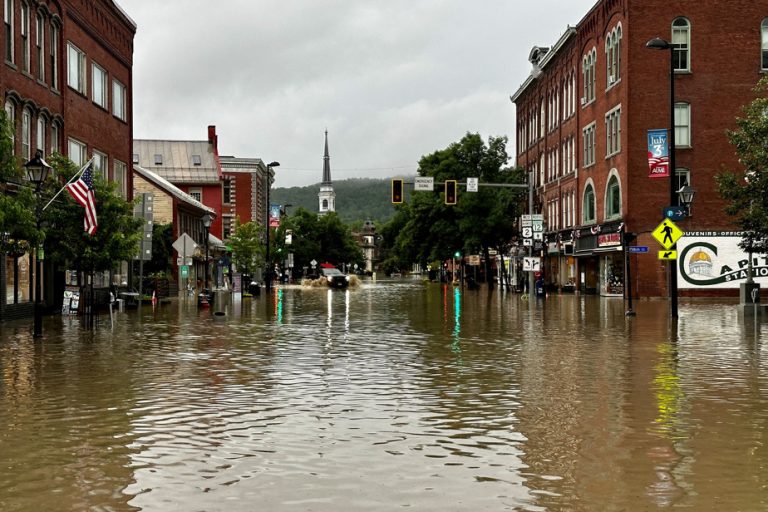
x=178, y=165
x=171, y=189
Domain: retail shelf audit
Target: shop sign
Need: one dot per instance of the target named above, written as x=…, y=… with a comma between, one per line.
x=552, y=247
x=714, y=260
x=609, y=240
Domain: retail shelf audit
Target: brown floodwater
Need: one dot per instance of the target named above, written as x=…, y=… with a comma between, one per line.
x=393, y=395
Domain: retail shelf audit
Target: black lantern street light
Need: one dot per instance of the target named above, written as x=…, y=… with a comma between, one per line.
x=267, y=265
x=207, y=219
x=37, y=171
x=658, y=43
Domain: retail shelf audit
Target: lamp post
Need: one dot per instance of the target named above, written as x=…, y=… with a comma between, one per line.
x=37, y=172
x=207, y=219
x=267, y=265
x=658, y=43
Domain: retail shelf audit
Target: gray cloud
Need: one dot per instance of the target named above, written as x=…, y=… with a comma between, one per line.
x=390, y=80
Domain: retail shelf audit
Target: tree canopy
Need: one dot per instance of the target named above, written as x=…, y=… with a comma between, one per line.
x=746, y=190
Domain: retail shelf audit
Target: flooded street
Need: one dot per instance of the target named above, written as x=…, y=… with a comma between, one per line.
x=395, y=395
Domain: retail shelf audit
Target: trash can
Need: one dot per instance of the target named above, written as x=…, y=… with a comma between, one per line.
x=254, y=288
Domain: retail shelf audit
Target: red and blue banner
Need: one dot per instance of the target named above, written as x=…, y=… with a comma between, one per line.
x=658, y=154
x=274, y=215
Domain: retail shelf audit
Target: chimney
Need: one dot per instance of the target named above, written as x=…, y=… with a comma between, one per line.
x=212, y=138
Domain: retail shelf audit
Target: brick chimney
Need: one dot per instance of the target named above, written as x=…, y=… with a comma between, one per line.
x=212, y=138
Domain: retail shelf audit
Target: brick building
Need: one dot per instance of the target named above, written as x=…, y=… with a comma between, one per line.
x=66, y=86
x=583, y=117
x=245, y=192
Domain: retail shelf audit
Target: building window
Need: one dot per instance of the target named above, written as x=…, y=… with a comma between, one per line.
x=53, y=54
x=10, y=112
x=681, y=41
x=55, y=138
x=25, y=42
x=196, y=160
x=588, y=75
x=227, y=189
x=197, y=194
x=588, y=142
x=613, y=56
x=683, y=177
x=764, y=46
x=118, y=100
x=588, y=209
x=101, y=164
x=121, y=178
x=8, y=19
x=682, y=125
x=26, y=134
x=41, y=134
x=158, y=159
x=613, y=132
x=77, y=152
x=75, y=68
x=613, y=199
x=39, y=43
x=99, y=86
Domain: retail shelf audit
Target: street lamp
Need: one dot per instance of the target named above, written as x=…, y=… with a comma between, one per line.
x=37, y=171
x=268, y=268
x=658, y=43
x=207, y=219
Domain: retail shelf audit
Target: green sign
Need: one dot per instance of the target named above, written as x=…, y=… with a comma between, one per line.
x=184, y=270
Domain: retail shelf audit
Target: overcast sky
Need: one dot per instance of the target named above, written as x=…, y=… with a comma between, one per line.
x=391, y=80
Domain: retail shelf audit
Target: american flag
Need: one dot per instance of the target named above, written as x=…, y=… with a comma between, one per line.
x=81, y=191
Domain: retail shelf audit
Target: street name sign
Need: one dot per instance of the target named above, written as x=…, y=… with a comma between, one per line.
x=637, y=248
x=424, y=184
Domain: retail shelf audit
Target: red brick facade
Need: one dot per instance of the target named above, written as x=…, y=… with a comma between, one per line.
x=48, y=41
x=631, y=87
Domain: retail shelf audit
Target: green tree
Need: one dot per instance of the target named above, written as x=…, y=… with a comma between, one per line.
x=116, y=238
x=747, y=190
x=18, y=230
x=480, y=221
x=247, y=246
x=162, y=250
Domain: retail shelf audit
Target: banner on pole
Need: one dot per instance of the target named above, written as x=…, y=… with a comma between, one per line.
x=658, y=154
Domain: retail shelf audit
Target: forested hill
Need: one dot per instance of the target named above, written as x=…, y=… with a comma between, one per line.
x=357, y=199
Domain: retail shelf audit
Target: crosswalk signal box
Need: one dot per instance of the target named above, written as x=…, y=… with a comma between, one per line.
x=397, y=191
x=450, y=192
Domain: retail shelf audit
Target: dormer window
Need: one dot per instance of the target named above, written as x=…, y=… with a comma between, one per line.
x=158, y=159
x=136, y=158
x=197, y=160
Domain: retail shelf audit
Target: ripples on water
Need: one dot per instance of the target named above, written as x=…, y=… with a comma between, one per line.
x=395, y=395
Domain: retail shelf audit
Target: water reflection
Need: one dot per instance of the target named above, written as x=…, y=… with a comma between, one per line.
x=396, y=394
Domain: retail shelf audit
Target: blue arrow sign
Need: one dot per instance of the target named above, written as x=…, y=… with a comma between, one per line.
x=674, y=212
x=637, y=248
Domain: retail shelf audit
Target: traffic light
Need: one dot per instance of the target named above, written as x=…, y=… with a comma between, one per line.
x=450, y=191
x=397, y=191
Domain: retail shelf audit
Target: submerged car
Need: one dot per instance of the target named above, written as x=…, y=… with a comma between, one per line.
x=335, y=278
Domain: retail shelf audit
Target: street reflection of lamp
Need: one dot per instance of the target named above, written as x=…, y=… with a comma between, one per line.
x=37, y=172
x=658, y=43
x=207, y=219
x=267, y=265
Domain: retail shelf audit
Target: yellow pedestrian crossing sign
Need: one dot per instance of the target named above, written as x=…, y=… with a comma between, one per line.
x=667, y=233
x=667, y=255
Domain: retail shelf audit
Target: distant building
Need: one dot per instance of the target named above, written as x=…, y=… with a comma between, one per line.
x=244, y=192
x=193, y=166
x=326, y=197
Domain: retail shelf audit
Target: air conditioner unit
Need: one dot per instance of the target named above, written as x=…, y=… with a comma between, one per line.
x=583, y=101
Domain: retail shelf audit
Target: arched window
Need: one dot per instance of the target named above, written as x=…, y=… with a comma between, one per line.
x=613, y=198
x=764, y=37
x=681, y=40
x=26, y=134
x=588, y=208
x=10, y=112
x=40, y=133
x=325, y=204
x=617, y=53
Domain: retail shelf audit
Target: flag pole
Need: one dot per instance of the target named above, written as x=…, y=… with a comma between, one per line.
x=77, y=174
